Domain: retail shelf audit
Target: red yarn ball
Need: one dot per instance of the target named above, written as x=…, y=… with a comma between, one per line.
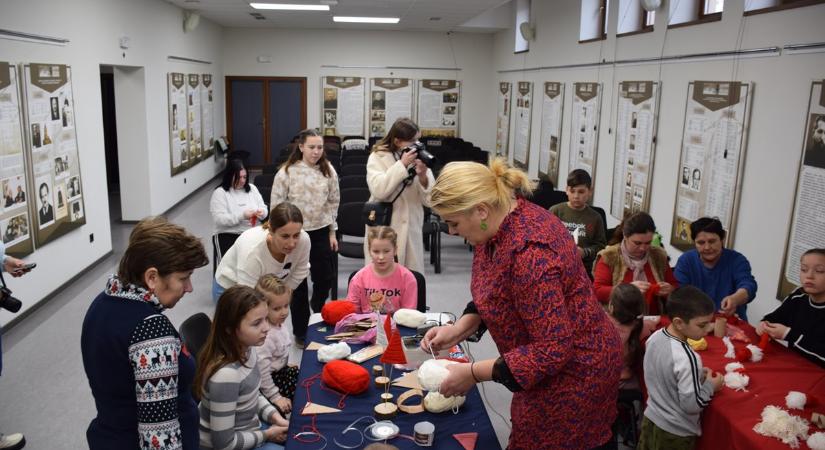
x=743, y=354
x=334, y=311
x=346, y=377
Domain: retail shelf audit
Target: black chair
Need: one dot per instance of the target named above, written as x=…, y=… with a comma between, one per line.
x=269, y=168
x=601, y=212
x=353, y=181
x=349, y=195
x=350, y=223
x=264, y=180
x=194, y=331
x=373, y=139
x=354, y=170
x=431, y=231
x=347, y=138
x=545, y=196
x=266, y=194
x=354, y=160
x=421, y=284
x=332, y=139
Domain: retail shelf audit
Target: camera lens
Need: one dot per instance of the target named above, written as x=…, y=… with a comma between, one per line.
x=8, y=302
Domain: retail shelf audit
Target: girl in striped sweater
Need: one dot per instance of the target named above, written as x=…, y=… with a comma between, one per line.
x=228, y=380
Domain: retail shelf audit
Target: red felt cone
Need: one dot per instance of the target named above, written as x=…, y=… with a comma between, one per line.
x=467, y=440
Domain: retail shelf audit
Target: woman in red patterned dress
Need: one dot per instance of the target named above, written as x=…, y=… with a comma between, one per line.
x=560, y=355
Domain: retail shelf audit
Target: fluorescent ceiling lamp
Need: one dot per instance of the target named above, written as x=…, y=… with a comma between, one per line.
x=290, y=7
x=365, y=19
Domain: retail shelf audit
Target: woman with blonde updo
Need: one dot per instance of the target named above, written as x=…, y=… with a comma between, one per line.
x=560, y=355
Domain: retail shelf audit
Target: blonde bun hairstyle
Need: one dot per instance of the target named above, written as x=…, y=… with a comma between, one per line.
x=463, y=185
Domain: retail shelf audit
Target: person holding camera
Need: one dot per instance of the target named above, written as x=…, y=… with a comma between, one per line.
x=395, y=166
x=16, y=268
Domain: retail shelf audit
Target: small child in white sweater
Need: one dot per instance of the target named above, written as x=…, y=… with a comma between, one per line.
x=278, y=378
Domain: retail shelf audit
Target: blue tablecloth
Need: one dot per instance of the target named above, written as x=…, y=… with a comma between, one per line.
x=472, y=416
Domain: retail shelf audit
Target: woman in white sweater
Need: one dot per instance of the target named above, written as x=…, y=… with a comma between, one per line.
x=279, y=247
x=236, y=206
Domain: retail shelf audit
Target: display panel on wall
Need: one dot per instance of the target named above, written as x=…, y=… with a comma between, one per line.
x=439, y=107
x=54, y=152
x=193, y=117
x=712, y=156
x=635, y=147
x=551, y=114
x=390, y=99
x=808, y=213
x=343, y=108
x=503, y=99
x=15, y=218
x=584, y=127
x=523, y=116
x=207, y=114
x=178, y=142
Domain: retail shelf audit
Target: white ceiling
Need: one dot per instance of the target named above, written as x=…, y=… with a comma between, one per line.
x=414, y=14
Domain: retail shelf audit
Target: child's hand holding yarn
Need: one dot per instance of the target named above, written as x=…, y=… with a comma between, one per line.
x=775, y=330
x=716, y=378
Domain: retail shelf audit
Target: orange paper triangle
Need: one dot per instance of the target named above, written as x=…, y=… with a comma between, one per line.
x=314, y=408
x=467, y=440
x=408, y=380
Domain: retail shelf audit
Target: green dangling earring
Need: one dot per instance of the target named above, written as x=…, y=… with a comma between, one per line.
x=483, y=225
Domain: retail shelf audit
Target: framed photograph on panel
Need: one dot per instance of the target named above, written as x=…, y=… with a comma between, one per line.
x=439, y=107
x=394, y=100
x=193, y=117
x=552, y=109
x=806, y=230
x=635, y=144
x=584, y=127
x=207, y=116
x=523, y=116
x=342, y=112
x=178, y=125
x=54, y=156
x=503, y=99
x=711, y=162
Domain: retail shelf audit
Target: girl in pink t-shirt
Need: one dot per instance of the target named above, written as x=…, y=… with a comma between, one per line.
x=383, y=283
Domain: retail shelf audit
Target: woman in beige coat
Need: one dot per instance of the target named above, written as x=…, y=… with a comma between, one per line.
x=388, y=167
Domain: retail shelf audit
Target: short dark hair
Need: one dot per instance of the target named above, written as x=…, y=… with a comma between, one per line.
x=707, y=225
x=233, y=169
x=687, y=302
x=638, y=223
x=579, y=177
x=815, y=251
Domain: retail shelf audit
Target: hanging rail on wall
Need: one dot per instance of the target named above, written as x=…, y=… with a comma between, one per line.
x=750, y=53
x=335, y=66
x=794, y=49
x=29, y=37
x=187, y=60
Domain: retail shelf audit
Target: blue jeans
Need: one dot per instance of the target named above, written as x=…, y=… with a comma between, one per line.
x=270, y=445
x=217, y=290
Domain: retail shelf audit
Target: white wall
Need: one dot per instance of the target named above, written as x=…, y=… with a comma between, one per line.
x=782, y=85
x=94, y=27
x=301, y=53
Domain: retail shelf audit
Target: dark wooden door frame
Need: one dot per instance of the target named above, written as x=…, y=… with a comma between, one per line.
x=265, y=80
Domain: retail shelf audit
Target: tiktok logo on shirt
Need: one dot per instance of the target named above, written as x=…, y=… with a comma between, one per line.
x=387, y=293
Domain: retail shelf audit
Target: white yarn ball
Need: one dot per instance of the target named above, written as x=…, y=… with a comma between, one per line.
x=736, y=381
x=432, y=373
x=734, y=366
x=339, y=350
x=436, y=403
x=795, y=400
x=816, y=441
x=411, y=318
x=756, y=353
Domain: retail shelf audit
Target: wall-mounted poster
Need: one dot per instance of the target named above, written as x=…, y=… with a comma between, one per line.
x=439, y=107
x=193, y=117
x=503, y=99
x=808, y=213
x=207, y=111
x=524, y=108
x=551, y=114
x=391, y=99
x=635, y=145
x=178, y=142
x=15, y=221
x=343, y=107
x=713, y=150
x=54, y=154
x=584, y=127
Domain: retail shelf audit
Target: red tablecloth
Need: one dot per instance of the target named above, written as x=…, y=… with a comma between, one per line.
x=729, y=420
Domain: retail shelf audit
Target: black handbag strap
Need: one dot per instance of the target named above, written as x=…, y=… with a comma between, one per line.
x=407, y=181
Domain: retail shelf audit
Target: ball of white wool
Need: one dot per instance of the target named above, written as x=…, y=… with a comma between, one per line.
x=736, y=381
x=756, y=353
x=733, y=367
x=339, y=350
x=432, y=373
x=816, y=441
x=411, y=318
x=795, y=400
x=436, y=403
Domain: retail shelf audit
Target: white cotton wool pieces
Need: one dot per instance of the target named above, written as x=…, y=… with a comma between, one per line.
x=795, y=400
x=737, y=381
x=816, y=441
x=410, y=318
x=332, y=352
x=777, y=423
x=432, y=373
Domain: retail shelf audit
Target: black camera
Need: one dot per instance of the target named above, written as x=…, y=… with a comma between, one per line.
x=423, y=155
x=8, y=302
